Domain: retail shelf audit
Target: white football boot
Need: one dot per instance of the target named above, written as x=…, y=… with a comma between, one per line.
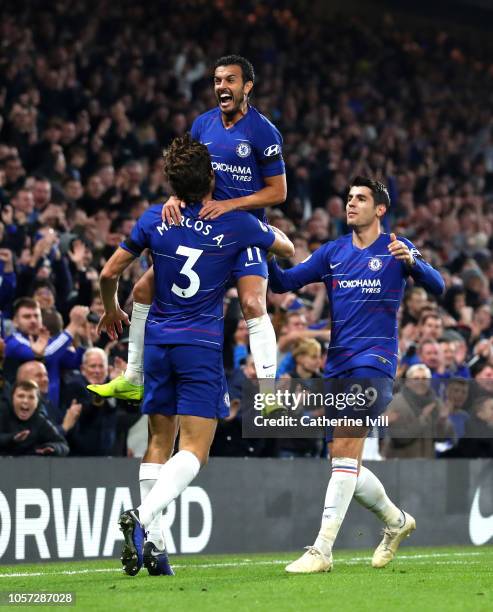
x=392, y=537
x=311, y=562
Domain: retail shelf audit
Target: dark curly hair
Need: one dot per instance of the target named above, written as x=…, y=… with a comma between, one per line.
x=187, y=167
x=247, y=70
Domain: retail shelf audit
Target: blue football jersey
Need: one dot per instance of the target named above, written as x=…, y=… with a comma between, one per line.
x=365, y=289
x=192, y=264
x=242, y=155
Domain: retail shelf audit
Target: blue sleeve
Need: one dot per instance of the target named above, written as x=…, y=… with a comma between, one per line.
x=312, y=270
x=57, y=346
x=71, y=360
x=255, y=233
x=268, y=149
x=17, y=347
x=138, y=239
x=195, y=131
x=425, y=275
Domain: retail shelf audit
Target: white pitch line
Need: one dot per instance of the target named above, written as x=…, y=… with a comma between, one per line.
x=246, y=562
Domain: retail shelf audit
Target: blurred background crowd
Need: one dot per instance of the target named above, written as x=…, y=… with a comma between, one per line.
x=91, y=93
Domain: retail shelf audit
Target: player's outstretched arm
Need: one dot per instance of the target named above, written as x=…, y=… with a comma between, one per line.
x=114, y=316
x=282, y=245
x=309, y=271
x=426, y=276
x=422, y=272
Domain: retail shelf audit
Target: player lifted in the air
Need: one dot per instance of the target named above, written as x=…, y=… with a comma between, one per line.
x=183, y=361
x=246, y=152
x=364, y=273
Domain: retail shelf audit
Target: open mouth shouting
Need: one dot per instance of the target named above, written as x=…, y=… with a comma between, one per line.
x=226, y=100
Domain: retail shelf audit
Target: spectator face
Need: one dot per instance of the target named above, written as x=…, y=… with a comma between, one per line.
x=249, y=368
x=28, y=320
x=25, y=402
x=460, y=352
x=296, y=322
x=335, y=206
x=107, y=175
x=135, y=174
x=230, y=90
x=95, y=188
x=95, y=369
x=13, y=170
x=42, y=194
x=430, y=354
x=45, y=298
x=73, y=190
x=69, y=132
x=485, y=411
x=24, y=201
x=431, y=329
x=309, y=361
x=92, y=331
x=459, y=302
x=241, y=333
x=456, y=394
x=360, y=208
x=482, y=318
x=34, y=370
x=418, y=381
x=97, y=306
x=416, y=302
x=448, y=352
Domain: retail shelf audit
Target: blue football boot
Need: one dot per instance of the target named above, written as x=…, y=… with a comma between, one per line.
x=156, y=561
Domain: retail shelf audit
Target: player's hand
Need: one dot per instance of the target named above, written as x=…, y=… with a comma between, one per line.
x=399, y=250
x=213, y=209
x=171, y=212
x=22, y=435
x=45, y=450
x=111, y=323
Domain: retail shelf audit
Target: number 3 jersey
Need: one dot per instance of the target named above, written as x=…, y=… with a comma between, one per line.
x=192, y=264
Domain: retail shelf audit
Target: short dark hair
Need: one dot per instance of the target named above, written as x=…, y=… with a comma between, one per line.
x=429, y=315
x=379, y=191
x=27, y=385
x=24, y=302
x=247, y=71
x=187, y=167
x=42, y=283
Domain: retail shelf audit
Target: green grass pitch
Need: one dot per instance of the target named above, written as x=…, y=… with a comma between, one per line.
x=419, y=579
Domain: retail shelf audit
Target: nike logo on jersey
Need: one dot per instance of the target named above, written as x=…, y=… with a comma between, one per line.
x=334, y=266
x=253, y=263
x=480, y=527
x=207, y=143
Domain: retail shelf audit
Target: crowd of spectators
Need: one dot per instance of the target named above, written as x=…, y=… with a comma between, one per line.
x=90, y=97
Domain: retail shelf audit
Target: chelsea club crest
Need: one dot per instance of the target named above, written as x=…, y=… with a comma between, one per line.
x=243, y=149
x=375, y=264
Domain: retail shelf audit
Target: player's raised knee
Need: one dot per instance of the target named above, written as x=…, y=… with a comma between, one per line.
x=253, y=306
